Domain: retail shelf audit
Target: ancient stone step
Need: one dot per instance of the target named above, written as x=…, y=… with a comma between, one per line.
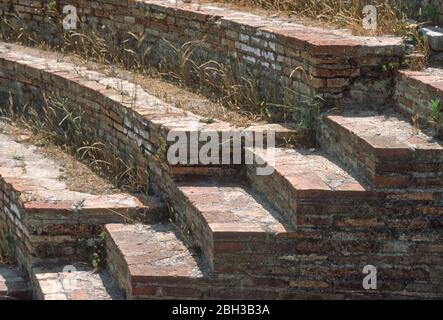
x=237, y=230
x=386, y=149
x=44, y=217
x=415, y=91
x=13, y=284
x=304, y=262
x=152, y=261
x=306, y=185
x=434, y=35
x=330, y=61
x=72, y=282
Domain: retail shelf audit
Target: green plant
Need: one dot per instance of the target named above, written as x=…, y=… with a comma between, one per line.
x=390, y=66
x=6, y=248
x=410, y=32
x=160, y=17
x=93, y=250
x=99, y=254
x=61, y=122
x=207, y=120
x=302, y=109
x=420, y=11
x=52, y=5
x=435, y=110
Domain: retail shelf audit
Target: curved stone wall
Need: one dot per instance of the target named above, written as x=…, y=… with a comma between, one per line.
x=283, y=57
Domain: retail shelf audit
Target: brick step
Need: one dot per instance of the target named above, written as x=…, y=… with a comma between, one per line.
x=385, y=149
x=62, y=281
x=13, y=284
x=152, y=261
x=46, y=219
x=155, y=262
x=414, y=91
x=307, y=186
x=313, y=190
x=237, y=230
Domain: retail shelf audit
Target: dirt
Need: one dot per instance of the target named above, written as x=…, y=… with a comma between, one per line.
x=77, y=175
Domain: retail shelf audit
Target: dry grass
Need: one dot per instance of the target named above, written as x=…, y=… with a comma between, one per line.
x=61, y=123
x=343, y=13
x=77, y=176
x=235, y=91
x=234, y=96
x=180, y=72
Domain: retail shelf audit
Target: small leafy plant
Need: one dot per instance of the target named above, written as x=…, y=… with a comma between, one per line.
x=436, y=116
x=93, y=251
x=6, y=249
x=436, y=109
x=52, y=6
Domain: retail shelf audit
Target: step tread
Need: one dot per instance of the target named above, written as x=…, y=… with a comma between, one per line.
x=63, y=282
x=39, y=179
x=231, y=206
x=432, y=77
x=156, y=252
x=311, y=169
x=387, y=131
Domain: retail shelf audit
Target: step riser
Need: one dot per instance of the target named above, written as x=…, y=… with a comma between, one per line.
x=188, y=217
x=385, y=168
x=37, y=293
x=249, y=254
x=118, y=267
x=316, y=267
x=52, y=238
x=210, y=171
x=161, y=288
x=270, y=256
x=298, y=204
x=276, y=190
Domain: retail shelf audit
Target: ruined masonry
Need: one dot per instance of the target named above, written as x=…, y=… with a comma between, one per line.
x=368, y=193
